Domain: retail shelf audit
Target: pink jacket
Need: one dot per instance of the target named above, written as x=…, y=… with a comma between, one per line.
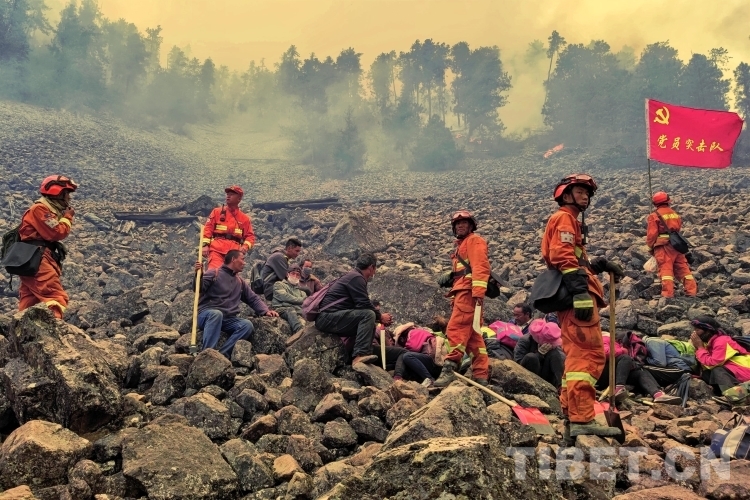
x=619, y=349
x=545, y=333
x=417, y=338
x=722, y=350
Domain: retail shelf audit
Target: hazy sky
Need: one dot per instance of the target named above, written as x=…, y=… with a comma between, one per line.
x=234, y=32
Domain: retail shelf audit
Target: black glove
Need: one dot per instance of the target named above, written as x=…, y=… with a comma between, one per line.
x=690, y=258
x=602, y=265
x=445, y=280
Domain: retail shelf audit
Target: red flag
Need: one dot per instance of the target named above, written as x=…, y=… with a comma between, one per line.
x=689, y=137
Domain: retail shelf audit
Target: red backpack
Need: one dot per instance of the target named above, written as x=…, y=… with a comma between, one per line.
x=311, y=305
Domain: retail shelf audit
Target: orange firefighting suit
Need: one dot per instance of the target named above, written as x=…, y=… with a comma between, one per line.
x=44, y=222
x=225, y=230
x=468, y=285
x=562, y=249
x=671, y=262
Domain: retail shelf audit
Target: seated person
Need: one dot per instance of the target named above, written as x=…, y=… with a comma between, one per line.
x=725, y=363
x=628, y=371
x=347, y=311
x=309, y=282
x=221, y=292
x=277, y=264
x=540, y=351
x=425, y=352
x=522, y=316
x=288, y=298
x=500, y=339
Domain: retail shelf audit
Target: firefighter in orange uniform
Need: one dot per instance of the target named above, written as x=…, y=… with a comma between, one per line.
x=672, y=264
x=227, y=228
x=471, y=271
x=47, y=222
x=563, y=248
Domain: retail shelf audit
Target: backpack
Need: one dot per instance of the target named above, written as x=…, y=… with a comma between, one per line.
x=311, y=305
x=677, y=241
x=743, y=341
x=256, y=282
x=733, y=442
x=507, y=334
x=9, y=238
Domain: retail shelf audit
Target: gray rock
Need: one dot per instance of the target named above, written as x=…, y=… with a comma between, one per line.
x=40, y=453
x=171, y=460
x=325, y=350
x=205, y=412
x=356, y=232
x=253, y=474
x=339, y=434
x=210, y=368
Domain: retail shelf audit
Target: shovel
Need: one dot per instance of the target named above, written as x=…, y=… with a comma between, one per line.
x=528, y=416
x=611, y=414
x=198, y=276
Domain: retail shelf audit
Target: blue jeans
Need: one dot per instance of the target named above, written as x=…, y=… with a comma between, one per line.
x=213, y=322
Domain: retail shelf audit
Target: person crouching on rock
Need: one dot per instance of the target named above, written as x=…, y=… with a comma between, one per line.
x=46, y=223
x=468, y=280
x=540, y=351
x=725, y=363
x=347, y=311
x=564, y=249
x=221, y=292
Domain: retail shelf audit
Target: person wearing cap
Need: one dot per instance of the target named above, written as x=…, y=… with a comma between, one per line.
x=227, y=228
x=288, y=298
x=46, y=223
x=276, y=265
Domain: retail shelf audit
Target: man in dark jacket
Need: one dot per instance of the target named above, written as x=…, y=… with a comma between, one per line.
x=347, y=310
x=222, y=290
x=522, y=316
x=276, y=266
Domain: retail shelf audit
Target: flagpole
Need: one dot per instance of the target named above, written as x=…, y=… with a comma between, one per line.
x=650, y=189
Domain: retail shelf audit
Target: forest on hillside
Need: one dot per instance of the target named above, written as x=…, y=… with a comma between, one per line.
x=338, y=113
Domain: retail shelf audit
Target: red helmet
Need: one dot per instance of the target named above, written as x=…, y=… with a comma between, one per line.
x=235, y=189
x=463, y=215
x=584, y=180
x=55, y=184
x=660, y=198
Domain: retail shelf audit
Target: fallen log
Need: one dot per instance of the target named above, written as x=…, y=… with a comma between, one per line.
x=153, y=217
x=275, y=205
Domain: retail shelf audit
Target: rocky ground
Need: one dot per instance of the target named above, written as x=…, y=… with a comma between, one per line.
x=111, y=404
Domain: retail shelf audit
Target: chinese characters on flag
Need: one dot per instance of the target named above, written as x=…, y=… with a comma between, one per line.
x=689, y=137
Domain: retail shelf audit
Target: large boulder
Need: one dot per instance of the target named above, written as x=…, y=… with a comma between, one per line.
x=83, y=392
x=356, y=232
x=40, y=453
x=171, y=460
x=210, y=368
x=129, y=305
x=512, y=378
x=448, y=467
x=205, y=412
x=456, y=411
x=326, y=350
x=269, y=335
x=244, y=458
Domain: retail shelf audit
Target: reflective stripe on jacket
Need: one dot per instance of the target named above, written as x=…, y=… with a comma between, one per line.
x=656, y=233
x=473, y=250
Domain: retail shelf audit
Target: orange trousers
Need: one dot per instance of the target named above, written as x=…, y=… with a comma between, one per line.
x=45, y=287
x=584, y=362
x=215, y=260
x=462, y=338
x=673, y=264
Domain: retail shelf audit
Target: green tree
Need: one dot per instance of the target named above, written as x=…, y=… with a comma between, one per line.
x=484, y=82
x=702, y=84
x=79, y=54
x=126, y=54
x=288, y=70
x=18, y=20
x=658, y=72
x=432, y=62
x=742, y=90
x=153, y=43
x=350, y=152
x=556, y=44
x=350, y=69
x=534, y=52
x=401, y=124
x=459, y=61
x=435, y=148
x=383, y=80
